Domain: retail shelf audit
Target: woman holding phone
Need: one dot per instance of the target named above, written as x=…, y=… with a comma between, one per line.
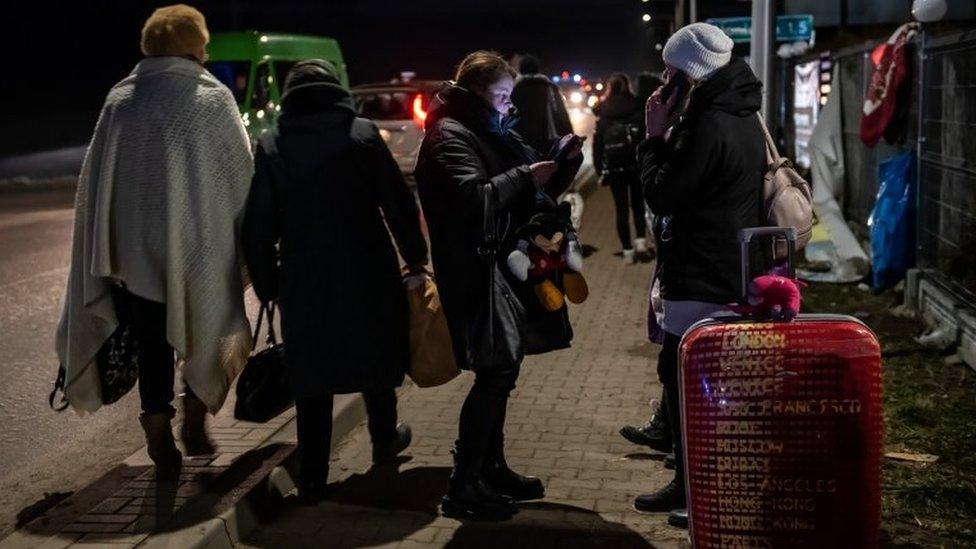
x=702, y=167
x=470, y=149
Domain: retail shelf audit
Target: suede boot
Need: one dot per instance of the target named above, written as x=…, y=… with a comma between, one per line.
x=193, y=432
x=161, y=445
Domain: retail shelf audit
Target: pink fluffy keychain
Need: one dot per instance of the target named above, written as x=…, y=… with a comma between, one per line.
x=772, y=297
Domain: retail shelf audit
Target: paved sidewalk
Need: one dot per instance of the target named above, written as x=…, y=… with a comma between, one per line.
x=127, y=505
x=562, y=426
x=217, y=497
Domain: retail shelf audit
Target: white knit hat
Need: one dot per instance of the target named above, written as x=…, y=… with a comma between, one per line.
x=698, y=50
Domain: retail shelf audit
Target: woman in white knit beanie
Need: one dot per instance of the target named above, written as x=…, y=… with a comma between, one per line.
x=703, y=181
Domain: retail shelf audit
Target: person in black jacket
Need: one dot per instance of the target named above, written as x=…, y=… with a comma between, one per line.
x=542, y=116
x=470, y=149
x=323, y=185
x=619, y=128
x=705, y=182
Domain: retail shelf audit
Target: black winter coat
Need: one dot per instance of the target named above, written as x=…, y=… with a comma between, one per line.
x=324, y=195
x=708, y=178
x=621, y=108
x=542, y=116
x=466, y=147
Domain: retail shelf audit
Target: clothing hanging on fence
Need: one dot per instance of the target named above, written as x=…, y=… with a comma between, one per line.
x=832, y=243
x=887, y=97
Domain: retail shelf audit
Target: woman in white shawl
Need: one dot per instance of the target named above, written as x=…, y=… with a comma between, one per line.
x=157, y=216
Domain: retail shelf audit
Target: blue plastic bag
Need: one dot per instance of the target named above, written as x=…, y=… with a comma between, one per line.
x=892, y=221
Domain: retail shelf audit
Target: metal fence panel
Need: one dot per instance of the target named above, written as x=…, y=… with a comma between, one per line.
x=947, y=184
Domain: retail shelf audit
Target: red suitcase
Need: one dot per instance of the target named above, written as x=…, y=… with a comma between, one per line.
x=783, y=429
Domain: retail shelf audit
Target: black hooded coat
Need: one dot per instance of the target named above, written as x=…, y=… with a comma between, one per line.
x=465, y=147
x=324, y=182
x=708, y=178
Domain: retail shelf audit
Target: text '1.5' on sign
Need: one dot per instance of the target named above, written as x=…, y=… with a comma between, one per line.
x=789, y=28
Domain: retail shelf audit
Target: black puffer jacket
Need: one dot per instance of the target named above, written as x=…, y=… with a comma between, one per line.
x=465, y=147
x=320, y=185
x=542, y=116
x=708, y=178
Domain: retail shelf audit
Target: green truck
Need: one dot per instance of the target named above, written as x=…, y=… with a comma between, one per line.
x=254, y=64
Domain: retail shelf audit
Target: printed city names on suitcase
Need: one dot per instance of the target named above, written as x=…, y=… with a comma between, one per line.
x=783, y=433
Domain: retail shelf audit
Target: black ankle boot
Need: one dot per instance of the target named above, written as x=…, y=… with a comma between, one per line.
x=385, y=453
x=655, y=435
x=311, y=493
x=678, y=518
x=469, y=497
x=666, y=499
x=507, y=482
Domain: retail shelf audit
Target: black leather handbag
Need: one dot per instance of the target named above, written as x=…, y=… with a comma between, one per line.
x=495, y=338
x=117, y=360
x=262, y=389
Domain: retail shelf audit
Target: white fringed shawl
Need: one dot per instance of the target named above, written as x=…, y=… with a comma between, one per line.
x=159, y=206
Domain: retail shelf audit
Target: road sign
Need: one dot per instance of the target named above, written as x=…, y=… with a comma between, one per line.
x=789, y=28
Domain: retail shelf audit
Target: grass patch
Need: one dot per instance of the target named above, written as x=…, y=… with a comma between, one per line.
x=930, y=408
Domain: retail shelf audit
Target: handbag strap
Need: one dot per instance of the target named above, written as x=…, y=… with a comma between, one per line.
x=772, y=154
x=272, y=339
x=489, y=237
x=58, y=386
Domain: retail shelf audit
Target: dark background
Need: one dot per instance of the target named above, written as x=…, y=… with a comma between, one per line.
x=64, y=57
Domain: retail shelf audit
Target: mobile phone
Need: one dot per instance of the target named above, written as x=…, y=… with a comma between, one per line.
x=560, y=151
x=678, y=85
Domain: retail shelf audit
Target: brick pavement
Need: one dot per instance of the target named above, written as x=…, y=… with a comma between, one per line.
x=132, y=506
x=562, y=426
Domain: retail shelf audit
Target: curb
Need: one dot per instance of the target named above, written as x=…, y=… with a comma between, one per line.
x=238, y=521
x=219, y=517
x=28, y=185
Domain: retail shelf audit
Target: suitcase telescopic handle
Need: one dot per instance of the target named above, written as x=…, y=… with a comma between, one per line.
x=746, y=236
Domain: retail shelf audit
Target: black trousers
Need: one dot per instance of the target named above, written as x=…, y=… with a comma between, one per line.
x=157, y=361
x=315, y=430
x=667, y=372
x=481, y=429
x=627, y=200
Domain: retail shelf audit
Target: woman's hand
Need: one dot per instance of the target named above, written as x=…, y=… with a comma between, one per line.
x=657, y=114
x=542, y=171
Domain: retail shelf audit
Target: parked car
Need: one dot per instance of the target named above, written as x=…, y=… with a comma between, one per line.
x=399, y=108
x=254, y=64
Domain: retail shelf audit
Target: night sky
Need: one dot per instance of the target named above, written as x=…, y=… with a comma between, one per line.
x=66, y=57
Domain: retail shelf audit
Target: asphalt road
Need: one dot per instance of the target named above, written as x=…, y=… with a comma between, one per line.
x=40, y=450
x=43, y=451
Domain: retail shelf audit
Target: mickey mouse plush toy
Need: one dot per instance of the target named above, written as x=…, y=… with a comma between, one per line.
x=548, y=255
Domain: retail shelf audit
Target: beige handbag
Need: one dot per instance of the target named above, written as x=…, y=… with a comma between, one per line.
x=787, y=198
x=432, y=360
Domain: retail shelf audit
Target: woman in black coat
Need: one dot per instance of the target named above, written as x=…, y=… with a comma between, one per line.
x=323, y=184
x=470, y=147
x=619, y=127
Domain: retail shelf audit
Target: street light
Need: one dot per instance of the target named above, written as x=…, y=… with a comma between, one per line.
x=646, y=17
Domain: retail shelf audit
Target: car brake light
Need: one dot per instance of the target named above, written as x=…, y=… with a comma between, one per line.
x=419, y=114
